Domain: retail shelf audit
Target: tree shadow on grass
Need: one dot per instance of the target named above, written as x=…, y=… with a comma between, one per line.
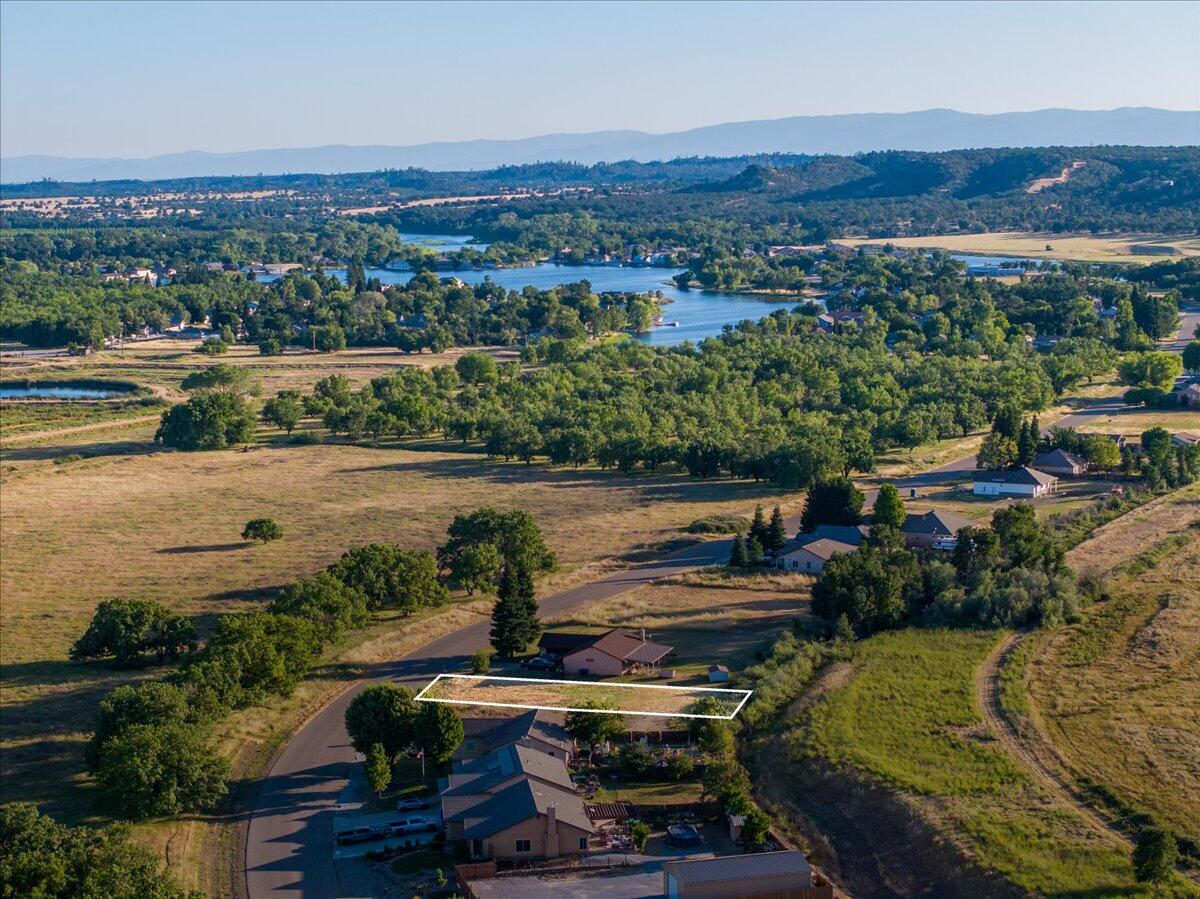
x=203, y=548
x=86, y=450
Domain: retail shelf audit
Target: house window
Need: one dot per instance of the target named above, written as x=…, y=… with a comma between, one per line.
x=524, y=846
x=583, y=844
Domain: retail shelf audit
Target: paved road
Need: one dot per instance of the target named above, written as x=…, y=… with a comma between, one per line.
x=289, y=843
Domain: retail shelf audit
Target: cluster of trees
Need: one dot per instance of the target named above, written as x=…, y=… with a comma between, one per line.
x=150, y=750
x=1011, y=574
x=428, y=313
x=40, y=857
x=768, y=401
x=385, y=723
x=218, y=413
x=763, y=538
x=1151, y=377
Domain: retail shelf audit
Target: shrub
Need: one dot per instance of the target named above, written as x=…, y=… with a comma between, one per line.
x=1154, y=855
x=718, y=524
x=639, y=832
x=481, y=662
x=262, y=530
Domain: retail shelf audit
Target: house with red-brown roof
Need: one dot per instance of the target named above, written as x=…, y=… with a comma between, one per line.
x=615, y=652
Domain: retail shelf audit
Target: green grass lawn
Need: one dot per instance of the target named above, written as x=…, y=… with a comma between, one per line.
x=653, y=792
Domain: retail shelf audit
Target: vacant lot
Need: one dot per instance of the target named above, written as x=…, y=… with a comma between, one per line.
x=1023, y=244
x=708, y=616
x=1135, y=531
x=1118, y=695
x=166, y=526
x=534, y=692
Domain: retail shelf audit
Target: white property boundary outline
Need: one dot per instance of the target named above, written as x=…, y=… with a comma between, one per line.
x=421, y=697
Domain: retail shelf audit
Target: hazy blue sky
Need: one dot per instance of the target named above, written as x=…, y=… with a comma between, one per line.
x=137, y=79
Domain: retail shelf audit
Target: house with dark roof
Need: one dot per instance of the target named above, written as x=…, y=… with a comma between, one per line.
x=935, y=529
x=1023, y=481
x=515, y=802
x=616, y=652
x=539, y=730
x=1060, y=463
x=784, y=873
x=808, y=553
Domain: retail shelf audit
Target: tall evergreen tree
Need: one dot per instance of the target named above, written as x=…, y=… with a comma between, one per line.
x=737, y=555
x=776, y=532
x=754, y=552
x=758, y=527
x=1027, y=443
x=514, y=617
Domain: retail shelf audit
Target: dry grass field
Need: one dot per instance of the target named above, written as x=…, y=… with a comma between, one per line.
x=1118, y=695
x=708, y=616
x=164, y=363
x=1135, y=531
x=166, y=526
x=1082, y=247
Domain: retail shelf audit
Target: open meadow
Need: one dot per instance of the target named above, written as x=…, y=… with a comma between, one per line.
x=166, y=526
x=1024, y=244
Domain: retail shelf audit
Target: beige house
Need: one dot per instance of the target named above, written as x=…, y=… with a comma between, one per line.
x=775, y=874
x=808, y=553
x=515, y=803
x=538, y=730
x=932, y=530
x=615, y=653
x=1060, y=463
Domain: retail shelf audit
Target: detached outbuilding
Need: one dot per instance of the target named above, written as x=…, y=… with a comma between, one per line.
x=775, y=874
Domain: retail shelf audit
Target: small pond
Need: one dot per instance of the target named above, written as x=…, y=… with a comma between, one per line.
x=60, y=392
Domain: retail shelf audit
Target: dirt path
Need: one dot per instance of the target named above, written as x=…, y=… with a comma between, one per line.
x=1025, y=751
x=78, y=429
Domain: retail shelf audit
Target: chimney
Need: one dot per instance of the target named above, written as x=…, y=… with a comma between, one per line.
x=551, y=832
x=643, y=635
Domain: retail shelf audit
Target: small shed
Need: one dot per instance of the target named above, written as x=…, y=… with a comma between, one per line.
x=718, y=674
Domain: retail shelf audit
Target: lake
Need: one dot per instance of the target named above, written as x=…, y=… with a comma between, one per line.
x=700, y=313
x=57, y=392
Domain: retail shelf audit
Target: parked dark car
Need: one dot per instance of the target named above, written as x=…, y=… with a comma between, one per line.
x=539, y=663
x=360, y=835
x=416, y=805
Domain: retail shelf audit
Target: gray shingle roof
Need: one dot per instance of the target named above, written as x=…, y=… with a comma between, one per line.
x=523, y=800
x=496, y=733
x=825, y=540
x=740, y=867
x=935, y=522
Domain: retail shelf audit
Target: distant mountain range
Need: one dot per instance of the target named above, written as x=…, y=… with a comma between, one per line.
x=930, y=130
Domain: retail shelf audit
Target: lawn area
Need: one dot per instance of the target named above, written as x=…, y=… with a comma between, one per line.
x=651, y=792
x=1118, y=695
x=905, y=717
x=708, y=616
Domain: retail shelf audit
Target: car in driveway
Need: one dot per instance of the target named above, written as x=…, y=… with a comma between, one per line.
x=538, y=663
x=416, y=805
x=360, y=835
x=413, y=824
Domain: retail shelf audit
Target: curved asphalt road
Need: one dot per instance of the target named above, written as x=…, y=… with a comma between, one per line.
x=289, y=841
